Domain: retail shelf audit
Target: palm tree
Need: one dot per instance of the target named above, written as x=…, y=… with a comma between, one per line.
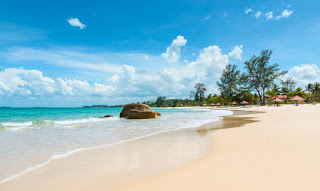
x=316, y=91
x=199, y=93
x=309, y=88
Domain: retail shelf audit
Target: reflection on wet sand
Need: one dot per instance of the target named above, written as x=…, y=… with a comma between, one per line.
x=232, y=121
x=122, y=163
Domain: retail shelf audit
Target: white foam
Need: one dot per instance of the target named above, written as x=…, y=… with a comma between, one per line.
x=185, y=124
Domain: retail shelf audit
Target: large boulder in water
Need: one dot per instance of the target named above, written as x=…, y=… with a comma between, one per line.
x=138, y=111
x=137, y=114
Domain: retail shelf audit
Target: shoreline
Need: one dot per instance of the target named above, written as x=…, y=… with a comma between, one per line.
x=280, y=151
x=70, y=153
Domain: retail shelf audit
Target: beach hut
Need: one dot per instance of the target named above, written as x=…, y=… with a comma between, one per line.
x=234, y=103
x=244, y=103
x=282, y=97
x=277, y=100
x=297, y=99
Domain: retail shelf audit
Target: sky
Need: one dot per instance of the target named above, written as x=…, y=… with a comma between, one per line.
x=74, y=53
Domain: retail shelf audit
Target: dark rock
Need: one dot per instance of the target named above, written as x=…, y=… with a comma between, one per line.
x=106, y=116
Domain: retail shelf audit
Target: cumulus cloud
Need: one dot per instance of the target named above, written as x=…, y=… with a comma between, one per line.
x=172, y=54
x=236, y=52
x=114, y=78
x=248, y=11
x=285, y=14
x=22, y=82
x=269, y=15
x=304, y=74
x=130, y=85
x=258, y=14
x=75, y=22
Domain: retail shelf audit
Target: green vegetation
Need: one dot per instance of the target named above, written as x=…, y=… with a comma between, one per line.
x=257, y=85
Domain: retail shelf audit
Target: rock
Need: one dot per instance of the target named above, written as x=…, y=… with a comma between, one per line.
x=137, y=114
x=138, y=111
x=158, y=114
x=126, y=109
x=106, y=116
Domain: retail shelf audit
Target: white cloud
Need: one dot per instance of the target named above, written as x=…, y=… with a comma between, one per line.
x=248, y=11
x=185, y=61
x=114, y=78
x=206, y=18
x=269, y=15
x=304, y=74
x=258, y=14
x=172, y=54
x=22, y=86
x=236, y=52
x=285, y=14
x=75, y=22
x=32, y=83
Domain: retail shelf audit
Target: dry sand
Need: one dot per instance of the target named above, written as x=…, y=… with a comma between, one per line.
x=281, y=151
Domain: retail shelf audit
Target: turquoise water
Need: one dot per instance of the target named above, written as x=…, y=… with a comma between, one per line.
x=31, y=136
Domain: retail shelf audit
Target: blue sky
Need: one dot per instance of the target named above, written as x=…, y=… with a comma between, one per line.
x=73, y=53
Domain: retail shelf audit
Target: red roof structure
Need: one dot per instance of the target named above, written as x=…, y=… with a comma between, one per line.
x=244, y=103
x=297, y=98
x=282, y=96
x=277, y=100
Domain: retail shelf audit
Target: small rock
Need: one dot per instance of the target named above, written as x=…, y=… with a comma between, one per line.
x=106, y=116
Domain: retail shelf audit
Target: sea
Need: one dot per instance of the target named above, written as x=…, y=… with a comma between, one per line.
x=30, y=137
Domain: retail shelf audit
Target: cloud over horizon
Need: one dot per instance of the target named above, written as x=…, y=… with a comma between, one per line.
x=129, y=84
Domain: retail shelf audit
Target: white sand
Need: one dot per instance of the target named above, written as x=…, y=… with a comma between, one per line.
x=280, y=152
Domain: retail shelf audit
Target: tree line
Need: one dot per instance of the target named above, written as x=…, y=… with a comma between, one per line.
x=257, y=84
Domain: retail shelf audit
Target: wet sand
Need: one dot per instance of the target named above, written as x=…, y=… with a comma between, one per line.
x=280, y=151
x=109, y=167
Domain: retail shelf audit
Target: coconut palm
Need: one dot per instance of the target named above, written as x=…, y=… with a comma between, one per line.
x=316, y=91
x=309, y=88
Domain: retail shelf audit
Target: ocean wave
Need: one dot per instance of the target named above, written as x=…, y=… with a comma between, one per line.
x=111, y=127
x=37, y=124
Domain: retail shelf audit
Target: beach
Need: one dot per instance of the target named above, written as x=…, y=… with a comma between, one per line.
x=267, y=148
x=279, y=152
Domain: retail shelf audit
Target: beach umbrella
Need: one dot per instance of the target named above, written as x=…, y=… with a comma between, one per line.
x=244, y=103
x=277, y=100
x=234, y=103
x=212, y=104
x=218, y=104
x=297, y=99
